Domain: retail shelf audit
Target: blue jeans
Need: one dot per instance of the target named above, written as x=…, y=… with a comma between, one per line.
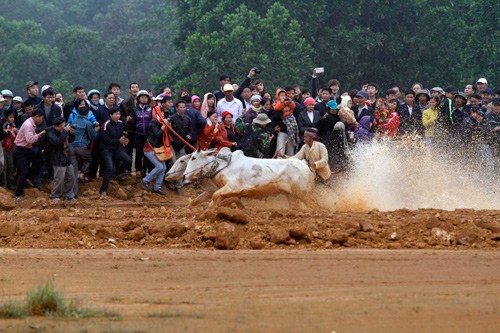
x=108, y=156
x=157, y=173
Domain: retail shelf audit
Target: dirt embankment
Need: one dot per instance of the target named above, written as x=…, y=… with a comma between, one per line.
x=133, y=218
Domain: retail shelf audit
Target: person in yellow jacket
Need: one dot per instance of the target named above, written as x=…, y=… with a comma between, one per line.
x=429, y=121
x=315, y=154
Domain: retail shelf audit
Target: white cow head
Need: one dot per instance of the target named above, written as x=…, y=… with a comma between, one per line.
x=199, y=163
x=177, y=170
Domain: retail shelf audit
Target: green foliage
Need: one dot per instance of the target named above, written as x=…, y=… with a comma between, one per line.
x=45, y=300
x=189, y=43
x=243, y=40
x=12, y=309
x=387, y=41
x=85, y=42
x=63, y=87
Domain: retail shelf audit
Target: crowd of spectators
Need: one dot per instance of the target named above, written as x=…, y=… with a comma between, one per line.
x=44, y=139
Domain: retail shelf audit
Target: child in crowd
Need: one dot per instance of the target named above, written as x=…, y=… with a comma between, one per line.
x=289, y=139
x=254, y=110
x=10, y=131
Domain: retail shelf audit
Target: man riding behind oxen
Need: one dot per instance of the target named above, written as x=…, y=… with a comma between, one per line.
x=315, y=154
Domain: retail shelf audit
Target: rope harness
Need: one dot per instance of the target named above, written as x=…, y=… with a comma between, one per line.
x=214, y=169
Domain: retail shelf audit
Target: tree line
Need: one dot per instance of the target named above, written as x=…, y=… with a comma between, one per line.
x=189, y=43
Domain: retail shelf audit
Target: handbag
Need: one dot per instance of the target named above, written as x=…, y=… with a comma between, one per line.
x=161, y=154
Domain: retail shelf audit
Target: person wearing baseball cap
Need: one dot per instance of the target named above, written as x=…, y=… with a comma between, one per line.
x=45, y=87
x=32, y=88
x=229, y=103
x=486, y=96
x=362, y=109
x=482, y=83
x=17, y=104
x=437, y=91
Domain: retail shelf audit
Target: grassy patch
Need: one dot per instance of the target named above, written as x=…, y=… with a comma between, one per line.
x=12, y=309
x=175, y=314
x=45, y=300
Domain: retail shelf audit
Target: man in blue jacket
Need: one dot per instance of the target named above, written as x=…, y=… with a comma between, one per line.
x=85, y=132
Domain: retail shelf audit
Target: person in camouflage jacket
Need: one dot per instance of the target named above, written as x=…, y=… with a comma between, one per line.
x=255, y=141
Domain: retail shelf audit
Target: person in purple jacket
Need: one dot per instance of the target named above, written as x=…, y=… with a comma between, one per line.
x=141, y=116
x=362, y=132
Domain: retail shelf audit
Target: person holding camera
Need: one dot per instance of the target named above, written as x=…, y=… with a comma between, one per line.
x=58, y=138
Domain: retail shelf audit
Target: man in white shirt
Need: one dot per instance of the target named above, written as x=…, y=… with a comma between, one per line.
x=229, y=103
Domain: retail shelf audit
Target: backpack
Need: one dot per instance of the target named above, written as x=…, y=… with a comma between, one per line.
x=248, y=144
x=8, y=141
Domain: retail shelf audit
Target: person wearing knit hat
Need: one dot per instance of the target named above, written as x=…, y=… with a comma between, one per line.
x=309, y=101
x=345, y=113
x=309, y=117
x=227, y=135
x=254, y=109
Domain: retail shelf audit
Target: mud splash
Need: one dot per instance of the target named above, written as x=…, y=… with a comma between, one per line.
x=390, y=175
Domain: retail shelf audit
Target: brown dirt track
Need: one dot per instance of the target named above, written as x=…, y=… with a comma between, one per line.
x=122, y=254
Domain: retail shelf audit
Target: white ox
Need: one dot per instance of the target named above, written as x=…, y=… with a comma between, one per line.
x=252, y=177
x=177, y=170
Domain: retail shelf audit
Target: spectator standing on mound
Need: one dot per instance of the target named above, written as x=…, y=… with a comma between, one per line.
x=181, y=124
x=155, y=139
x=9, y=135
x=85, y=132
x=58, y=137
x=112, y=142
x=141, y=116
x=23, y=152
